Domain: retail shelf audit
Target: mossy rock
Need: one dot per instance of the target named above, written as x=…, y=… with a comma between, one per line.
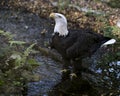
x=75, y=87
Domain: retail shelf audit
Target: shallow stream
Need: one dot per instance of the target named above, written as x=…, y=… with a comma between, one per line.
x=28, y=27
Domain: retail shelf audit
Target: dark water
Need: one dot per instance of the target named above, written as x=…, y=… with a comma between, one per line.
x=50, y=75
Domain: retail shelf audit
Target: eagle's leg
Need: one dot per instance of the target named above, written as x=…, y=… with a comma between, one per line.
x=66, y=70
x=77, y=68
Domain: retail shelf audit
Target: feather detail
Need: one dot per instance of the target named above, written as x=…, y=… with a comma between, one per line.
x=109, y=42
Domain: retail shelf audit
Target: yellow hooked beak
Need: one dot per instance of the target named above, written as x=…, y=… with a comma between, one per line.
x=52, y=15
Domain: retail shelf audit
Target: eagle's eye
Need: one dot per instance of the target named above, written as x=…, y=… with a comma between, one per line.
x=59, y=16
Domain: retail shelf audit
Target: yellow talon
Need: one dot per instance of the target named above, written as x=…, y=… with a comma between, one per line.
x=64, y=70
x=73, y=75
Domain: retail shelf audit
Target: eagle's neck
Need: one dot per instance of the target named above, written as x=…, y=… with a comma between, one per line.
x=61, y=28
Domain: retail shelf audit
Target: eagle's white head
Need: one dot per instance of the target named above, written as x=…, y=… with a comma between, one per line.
x=60, y=24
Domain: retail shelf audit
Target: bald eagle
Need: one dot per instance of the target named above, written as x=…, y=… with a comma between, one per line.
x=75, y=45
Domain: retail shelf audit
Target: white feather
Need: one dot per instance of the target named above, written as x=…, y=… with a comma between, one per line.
x=61, y=24
x=111, y=41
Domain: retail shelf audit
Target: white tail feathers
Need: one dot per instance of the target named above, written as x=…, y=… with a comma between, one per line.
x=111, y=41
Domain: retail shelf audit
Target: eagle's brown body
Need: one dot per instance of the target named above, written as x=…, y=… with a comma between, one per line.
x=77, y=44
